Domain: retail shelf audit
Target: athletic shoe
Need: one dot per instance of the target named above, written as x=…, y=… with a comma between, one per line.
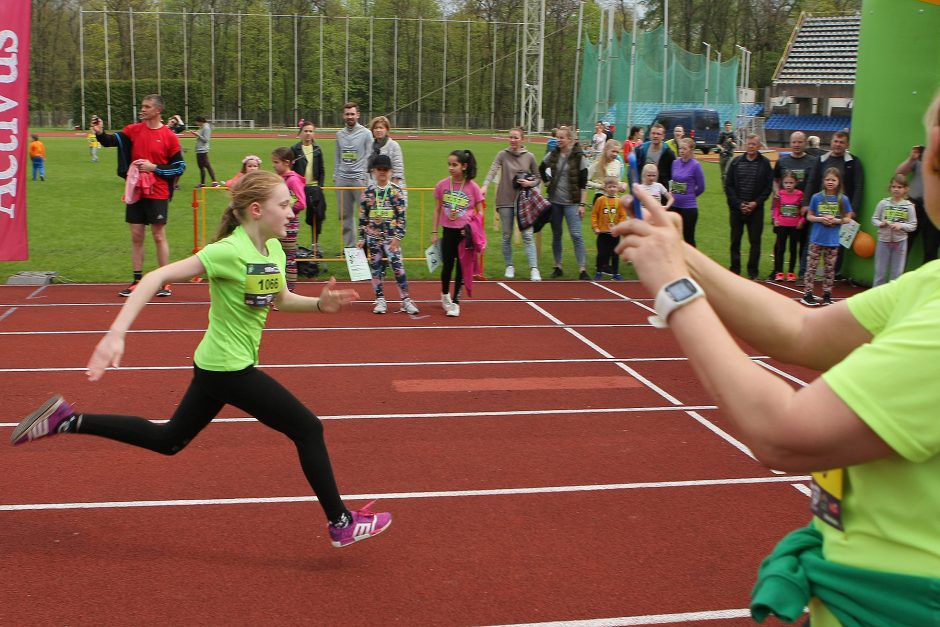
x=598, y=276
x=535, y=275
x=809, y=300
x=510, y=272
x=409, y=307
x=364, y=525
x=791, y=277
x=584, y=276
x=454, y=310
x=618, y=277
x=827, y=298
x=47, y=420
x=165, y=291
x=380, y=306
x=780, y=276
x=556, y=272
x=127, y=291
x=446, y=303
x=216, y=184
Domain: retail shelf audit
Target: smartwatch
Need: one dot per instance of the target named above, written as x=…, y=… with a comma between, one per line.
x=672, y=296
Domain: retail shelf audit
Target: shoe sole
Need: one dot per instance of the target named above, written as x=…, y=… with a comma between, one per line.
x=45, y=410
x=340, y=545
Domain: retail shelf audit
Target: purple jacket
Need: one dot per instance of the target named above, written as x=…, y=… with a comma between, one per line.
x=687, y=175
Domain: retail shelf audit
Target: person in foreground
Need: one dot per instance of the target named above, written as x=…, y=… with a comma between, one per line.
x=245, y=267
x=871, y=554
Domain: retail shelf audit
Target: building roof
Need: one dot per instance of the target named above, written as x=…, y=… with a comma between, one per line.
x=822, y=52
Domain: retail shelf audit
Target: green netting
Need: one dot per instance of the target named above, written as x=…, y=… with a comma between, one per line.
x=610, y=100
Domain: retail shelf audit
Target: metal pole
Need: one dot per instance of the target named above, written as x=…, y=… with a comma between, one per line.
x=610, y=59
x=538, y=120
x=597, y=73
x=420, y=65
x=107, y=68
x=81, y=63
x=296, y=72
x=346, y=66
x=238, y=65
x=466, y=83
x=493, y=82
x=320, y=101
x=395, y=79
x=577, y=65
x=708, y=60
x=718, y=79
x=185, y=70
x=444, y=80
x=665, y=49
x=516, y=83
x=371, y=54
x=523, y=122
x=212, y=63
x=270, y=71
x=130, y=27
x=159, y=64
x=632, y=71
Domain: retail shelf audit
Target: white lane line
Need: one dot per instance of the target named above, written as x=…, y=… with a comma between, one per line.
x=37, y=292
x=785, y=375
x=405, y=495
x=649, y=619
x=474, y=414
x=7, y=312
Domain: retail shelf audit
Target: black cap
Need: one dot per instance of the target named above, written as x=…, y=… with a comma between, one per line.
x=382, y=161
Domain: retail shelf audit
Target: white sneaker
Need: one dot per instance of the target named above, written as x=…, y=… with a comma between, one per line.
x=510, y=272
x=454, y=310
x=409, y=307
x=446, y=302
x=535, y=275
x=380, y=306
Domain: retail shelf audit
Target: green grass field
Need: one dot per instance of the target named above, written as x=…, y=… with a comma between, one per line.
x=77, y=229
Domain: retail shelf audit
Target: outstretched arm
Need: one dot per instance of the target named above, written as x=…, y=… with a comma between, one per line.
x=110, y=348
x=330, y=300
x=796, y=430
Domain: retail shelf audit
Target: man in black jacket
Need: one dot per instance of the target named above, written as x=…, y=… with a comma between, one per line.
x=748, y=185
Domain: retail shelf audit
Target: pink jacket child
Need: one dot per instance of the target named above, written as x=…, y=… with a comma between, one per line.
x=787, y=208
x=470, y=250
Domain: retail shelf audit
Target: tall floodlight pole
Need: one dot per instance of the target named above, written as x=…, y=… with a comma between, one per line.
x=742, y=84
x=718, y=77
x=610, y=59
x=665, y=49
x=708, y=62
x=632, y=69
x=533, y=60
x=577, y=66
x=81, y=61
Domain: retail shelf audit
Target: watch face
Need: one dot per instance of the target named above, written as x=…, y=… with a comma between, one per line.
x=680, y=290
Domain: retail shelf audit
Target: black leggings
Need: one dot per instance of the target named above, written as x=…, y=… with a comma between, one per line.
x=250, y=390
x=202, y=160
x=449, y=241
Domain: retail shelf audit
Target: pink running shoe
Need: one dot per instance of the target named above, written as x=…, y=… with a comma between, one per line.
x=47, y=420
x=364, y=525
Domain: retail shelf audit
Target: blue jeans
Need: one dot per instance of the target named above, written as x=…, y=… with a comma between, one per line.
x=39, y=168
x=568, y=213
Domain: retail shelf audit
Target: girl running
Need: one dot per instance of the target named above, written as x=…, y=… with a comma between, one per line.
x=827, y=212
x=245, y=266
x=459, y=199
x=282, y=158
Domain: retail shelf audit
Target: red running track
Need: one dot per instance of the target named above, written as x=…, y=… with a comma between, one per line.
x=547, y=499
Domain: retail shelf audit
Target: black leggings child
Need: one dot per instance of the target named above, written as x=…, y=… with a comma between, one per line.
x=788, y=237
x=449, y=241
x=250, y=390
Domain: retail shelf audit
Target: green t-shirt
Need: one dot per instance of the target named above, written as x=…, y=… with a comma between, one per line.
x=242, y=285
x=891, y=507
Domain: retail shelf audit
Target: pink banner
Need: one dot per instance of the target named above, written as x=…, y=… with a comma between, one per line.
x=14, y=125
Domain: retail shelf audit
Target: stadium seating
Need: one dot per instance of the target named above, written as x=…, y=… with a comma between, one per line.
x=824, y=51
x=809, y=123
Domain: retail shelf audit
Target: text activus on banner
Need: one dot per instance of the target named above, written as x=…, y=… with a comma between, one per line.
x=14, y=120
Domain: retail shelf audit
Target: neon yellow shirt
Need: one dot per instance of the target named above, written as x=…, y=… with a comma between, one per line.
x=242, y=285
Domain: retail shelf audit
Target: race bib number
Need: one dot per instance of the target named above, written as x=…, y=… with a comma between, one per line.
x=789, y=211
x=349, y=156
x=829, y=209
x=799, y=175
x=382, y=213
x=262, y=283
x=895, y=214
x=678, y=188
x=826, y=494
x=455, y=203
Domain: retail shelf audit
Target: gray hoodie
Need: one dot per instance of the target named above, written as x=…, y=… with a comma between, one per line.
x=353, y=147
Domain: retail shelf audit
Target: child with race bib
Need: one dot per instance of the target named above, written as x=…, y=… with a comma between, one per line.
x=895, y=217
x=607, y=211
x=827, y=212
x=788, y=224
x=381, y=230
x=245, y=267
x=458, y=200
